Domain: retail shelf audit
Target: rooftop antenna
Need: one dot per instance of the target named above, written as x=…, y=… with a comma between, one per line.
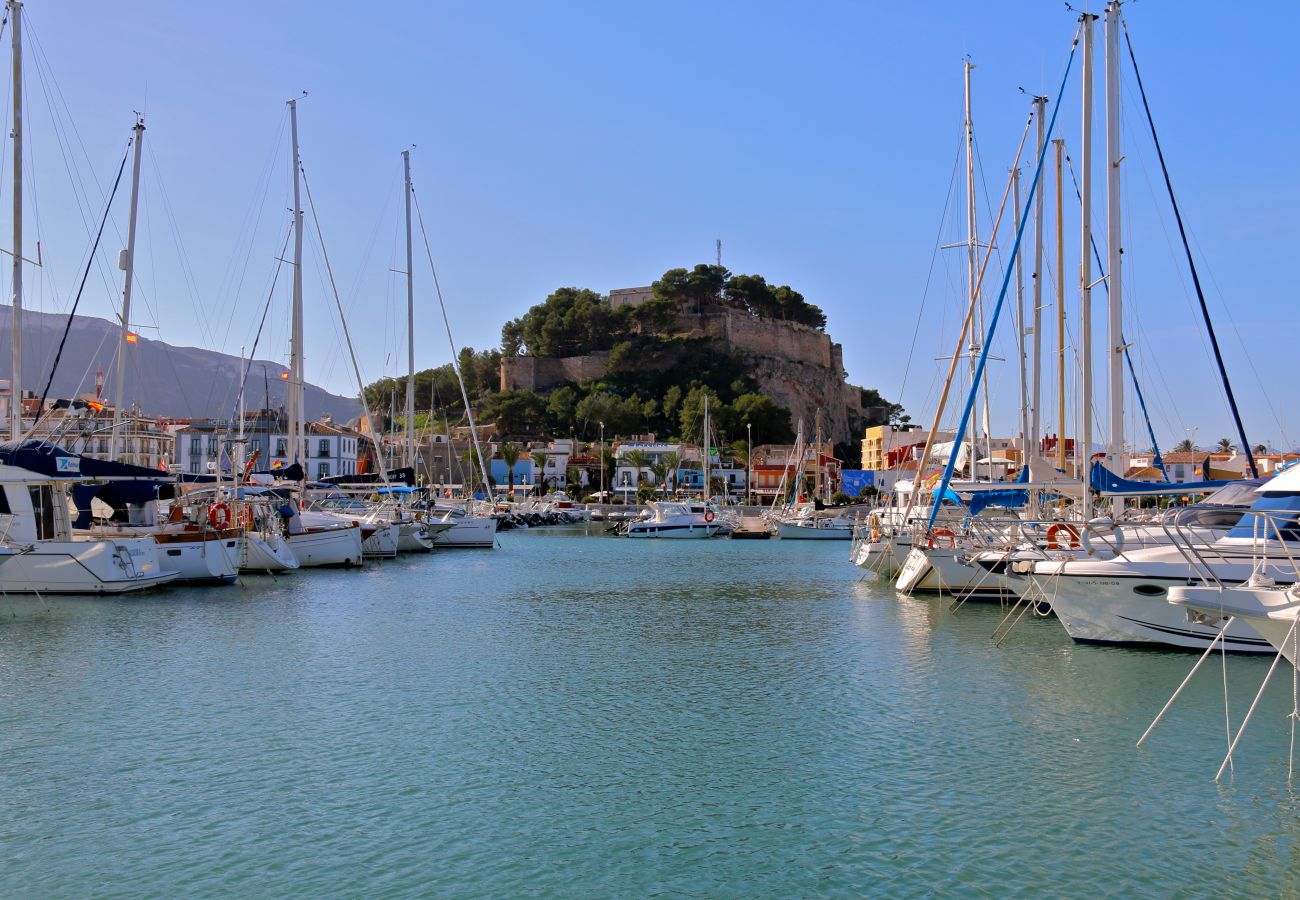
x=719, y=253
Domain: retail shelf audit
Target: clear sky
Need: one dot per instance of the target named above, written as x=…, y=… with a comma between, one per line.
x=598, y=144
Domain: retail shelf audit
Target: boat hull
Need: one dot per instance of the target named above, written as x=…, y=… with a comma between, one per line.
x=791, y=531
x=324, y=547
x=474, y=533
x=675, y=532
x=267, y=553
x=85, y=567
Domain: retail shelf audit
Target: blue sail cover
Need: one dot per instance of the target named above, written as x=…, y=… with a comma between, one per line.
x=1010, y=498
x=117, y=494
x=1105, y=481
x=45, y=458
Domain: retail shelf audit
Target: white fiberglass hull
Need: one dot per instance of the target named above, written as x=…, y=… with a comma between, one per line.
x=382, y=544
x=1270, y=611
x=413, y=537
x=471, y=531
x=1135, y=610
x=884, y=556
x=795, y=531
x=202, y=562
x=683, y=531
x=85, y=567
x=267, y=553
x=333, y=546
x=941, y=570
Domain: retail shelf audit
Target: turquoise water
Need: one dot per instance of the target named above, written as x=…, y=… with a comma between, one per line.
x=590, y=716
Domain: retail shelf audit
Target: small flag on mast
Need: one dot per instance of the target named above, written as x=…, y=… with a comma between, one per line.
x=132, y=338
x=284, y=376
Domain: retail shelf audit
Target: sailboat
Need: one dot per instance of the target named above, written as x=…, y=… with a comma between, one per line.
x=317, y=539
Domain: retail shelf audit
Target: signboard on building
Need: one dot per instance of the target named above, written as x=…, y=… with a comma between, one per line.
x=852, y=481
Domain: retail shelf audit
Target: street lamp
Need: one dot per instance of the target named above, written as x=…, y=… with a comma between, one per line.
x=749, y=463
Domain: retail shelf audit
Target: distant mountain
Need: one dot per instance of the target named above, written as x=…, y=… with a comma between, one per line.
x=161, y=379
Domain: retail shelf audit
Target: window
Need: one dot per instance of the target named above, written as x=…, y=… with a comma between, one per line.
x=323, y=449
x=103, y=445
x=194, y=466
x=280, y=446
x=4, y=502
x=43, y=508
x=323, y=470
x=196, y=445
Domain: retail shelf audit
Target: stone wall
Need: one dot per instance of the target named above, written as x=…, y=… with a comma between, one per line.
x=798, y=366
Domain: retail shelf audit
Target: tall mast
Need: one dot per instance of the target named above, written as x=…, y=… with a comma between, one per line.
x=707, y=467
x=1020, y=332
x=1036, y=404
x=972, y=238
x=1083, y=453
x=1059, y=144
x=296, y=412
x=1114, y=249
x=128, y=266
x=16, y=381
x=241, y=454
x=410, y=319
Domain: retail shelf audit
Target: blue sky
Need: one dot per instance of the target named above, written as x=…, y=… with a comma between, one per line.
x=597, y=145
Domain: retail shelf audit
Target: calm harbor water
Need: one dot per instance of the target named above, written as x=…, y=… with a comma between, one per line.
x=589, y=716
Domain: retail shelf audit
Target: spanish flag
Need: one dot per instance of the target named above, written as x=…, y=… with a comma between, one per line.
x=132, y=338
x=95, y=405
x=284, y=376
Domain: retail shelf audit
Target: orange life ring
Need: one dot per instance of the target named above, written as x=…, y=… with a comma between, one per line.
x=943, y=533
x=1073, y=543
x=219, y=515
x=709, y=515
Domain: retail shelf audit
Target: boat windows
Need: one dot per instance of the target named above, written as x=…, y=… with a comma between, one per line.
x=1149, y=590
x=43, y=509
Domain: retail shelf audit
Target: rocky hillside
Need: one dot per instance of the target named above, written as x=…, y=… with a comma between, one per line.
x=162, y=379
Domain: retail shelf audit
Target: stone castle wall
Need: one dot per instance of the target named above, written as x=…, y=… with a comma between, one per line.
x=798, y=366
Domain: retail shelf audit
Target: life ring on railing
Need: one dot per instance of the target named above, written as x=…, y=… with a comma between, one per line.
x=219, y=515
x=1111, y=537
x=709, y=515
x=1071, y=543
x=950, y=539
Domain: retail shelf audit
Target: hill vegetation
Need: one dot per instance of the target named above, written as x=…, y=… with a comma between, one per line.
x=657, y=378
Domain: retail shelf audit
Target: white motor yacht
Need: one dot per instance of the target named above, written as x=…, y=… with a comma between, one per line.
x=676, y=519
x=1125, y=600
x=50, y=560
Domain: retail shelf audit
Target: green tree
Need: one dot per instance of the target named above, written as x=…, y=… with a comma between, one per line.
x=671, y=463
x=1184, y=446
x=1226, y=445
x=539, y=466
x=509, y=454
x=514, y=412
x=638, y=460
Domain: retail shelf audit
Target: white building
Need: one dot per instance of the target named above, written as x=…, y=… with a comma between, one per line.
x=330, y=449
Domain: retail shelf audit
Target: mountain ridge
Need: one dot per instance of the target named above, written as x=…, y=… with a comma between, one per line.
x=162, y=379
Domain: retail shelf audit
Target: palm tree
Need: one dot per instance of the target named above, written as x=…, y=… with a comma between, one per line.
x=638, y=460
x=509, y=454
x=1185, y=446
x=671, y=463
x=539, y=462
x=660, y=470
x=1225, y=445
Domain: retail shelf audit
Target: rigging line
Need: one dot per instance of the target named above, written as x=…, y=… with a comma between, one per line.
x=40, y=410
x=361, y=385
x=1105, y=285
x=455, y=362
x=1191, y=264
x=1002, y=293
x=934, y=256
x=270, y=295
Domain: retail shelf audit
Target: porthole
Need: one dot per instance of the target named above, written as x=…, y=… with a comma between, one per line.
x=1149, y=590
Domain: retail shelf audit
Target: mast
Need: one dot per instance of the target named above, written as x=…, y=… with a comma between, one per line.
x=705, y=435
x=1114, y=253
x=128, y=266
x=1036, y=405
x=972, y=238
x=296, y=412
x=16, y=380
x=1020, y=333
x=1059, y=144
x=410, y=319
x=241, y=453
x=1083, y=453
